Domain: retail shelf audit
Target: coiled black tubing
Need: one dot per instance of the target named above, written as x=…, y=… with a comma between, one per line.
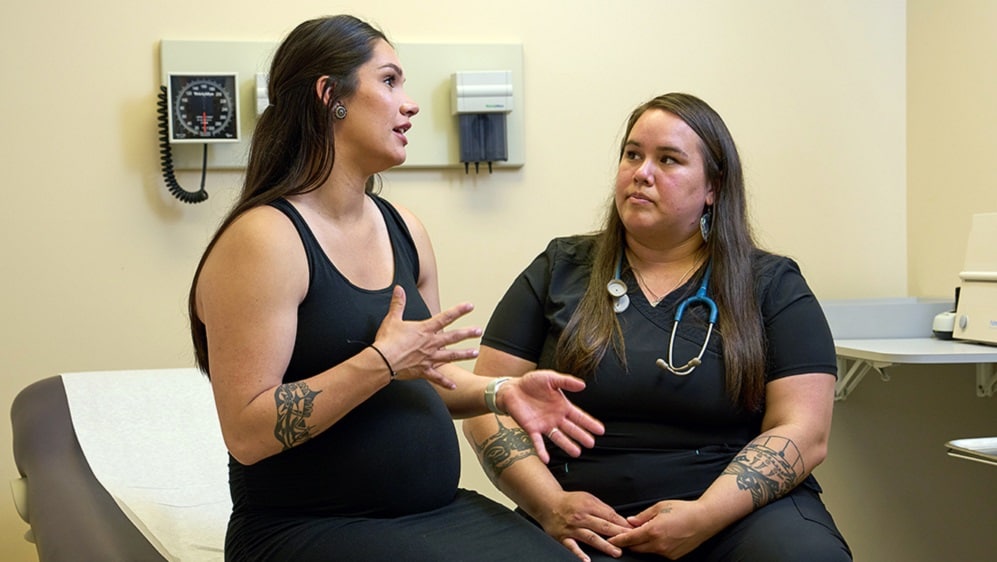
x=166, y=157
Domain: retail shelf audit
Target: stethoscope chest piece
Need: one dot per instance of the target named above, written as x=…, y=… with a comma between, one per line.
x=617, y=288
x=621, y=303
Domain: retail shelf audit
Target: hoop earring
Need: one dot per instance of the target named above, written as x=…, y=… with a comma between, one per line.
x=339, y=111
x=705, y=223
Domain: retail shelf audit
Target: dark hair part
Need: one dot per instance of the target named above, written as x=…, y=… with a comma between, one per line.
x=292, y=149
x=594, y=328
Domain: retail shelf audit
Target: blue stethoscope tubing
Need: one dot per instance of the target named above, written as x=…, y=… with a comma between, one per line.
x=618, y=290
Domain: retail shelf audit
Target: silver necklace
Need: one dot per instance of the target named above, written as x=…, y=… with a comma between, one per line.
x=657, y=299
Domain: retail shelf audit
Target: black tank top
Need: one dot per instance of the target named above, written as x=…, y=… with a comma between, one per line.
x=394, y=454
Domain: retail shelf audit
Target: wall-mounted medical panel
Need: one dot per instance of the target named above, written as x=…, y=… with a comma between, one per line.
x=433, y=140
x=245, y=59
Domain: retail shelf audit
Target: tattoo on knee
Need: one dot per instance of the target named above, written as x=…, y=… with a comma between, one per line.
x=503, y=449
x=768, y=468
x=294, y=406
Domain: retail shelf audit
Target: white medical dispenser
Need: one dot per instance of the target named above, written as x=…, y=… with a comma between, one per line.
x=481, y=100
x=976, y=313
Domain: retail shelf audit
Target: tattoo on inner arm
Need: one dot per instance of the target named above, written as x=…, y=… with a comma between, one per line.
x=294, y=405
x=768, y=467
x=503, y=449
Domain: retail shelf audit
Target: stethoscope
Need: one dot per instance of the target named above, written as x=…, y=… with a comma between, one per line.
x=621, y=301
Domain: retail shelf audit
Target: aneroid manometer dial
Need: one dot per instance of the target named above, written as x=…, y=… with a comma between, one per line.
x=203, y=108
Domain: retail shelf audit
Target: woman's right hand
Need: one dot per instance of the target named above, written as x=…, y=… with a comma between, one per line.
x=415, y=349
x=580, y=517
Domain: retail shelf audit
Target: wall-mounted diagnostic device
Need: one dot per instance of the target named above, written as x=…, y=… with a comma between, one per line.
x=203, y=107
x=196, y=108
x=213, y=92
x=481, y=100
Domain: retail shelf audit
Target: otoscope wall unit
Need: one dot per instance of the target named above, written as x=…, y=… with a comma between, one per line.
x=434, y=140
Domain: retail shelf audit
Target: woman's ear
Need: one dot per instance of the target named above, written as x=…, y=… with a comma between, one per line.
x=323, y=89
x=711, y=195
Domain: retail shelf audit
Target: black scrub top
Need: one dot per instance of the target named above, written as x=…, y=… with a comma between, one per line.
x=667, y=436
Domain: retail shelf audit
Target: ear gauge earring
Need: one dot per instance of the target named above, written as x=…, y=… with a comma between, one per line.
x=339, y=111
x=705, y=222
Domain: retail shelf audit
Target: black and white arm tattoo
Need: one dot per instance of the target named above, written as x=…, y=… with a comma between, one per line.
x=294, y=406
x=504, y=448
x=768, y=467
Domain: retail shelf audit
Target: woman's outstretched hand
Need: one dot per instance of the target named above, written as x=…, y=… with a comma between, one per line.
x=416, y=348
x=538, y=404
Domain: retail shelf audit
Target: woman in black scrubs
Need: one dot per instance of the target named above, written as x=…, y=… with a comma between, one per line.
x=713, y=423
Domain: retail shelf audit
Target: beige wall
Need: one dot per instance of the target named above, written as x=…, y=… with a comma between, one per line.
x=97, y=257
x=952, y=88
x=911, y=502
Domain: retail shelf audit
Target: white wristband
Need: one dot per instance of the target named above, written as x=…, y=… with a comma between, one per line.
x=491, y=393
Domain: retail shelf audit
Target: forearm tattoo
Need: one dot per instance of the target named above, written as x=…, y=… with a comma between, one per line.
x=503, y=449
x=294, y=406
x=768, y=467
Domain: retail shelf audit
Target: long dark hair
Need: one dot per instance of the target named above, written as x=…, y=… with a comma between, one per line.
x=593, y=328
x=292, y=150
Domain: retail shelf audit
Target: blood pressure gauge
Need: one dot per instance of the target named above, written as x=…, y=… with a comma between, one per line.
x=203, y=108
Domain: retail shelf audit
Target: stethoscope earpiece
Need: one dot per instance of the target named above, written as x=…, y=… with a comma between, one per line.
x=699, y=298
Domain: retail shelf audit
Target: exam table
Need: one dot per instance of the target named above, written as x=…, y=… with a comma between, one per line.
x=121, y=465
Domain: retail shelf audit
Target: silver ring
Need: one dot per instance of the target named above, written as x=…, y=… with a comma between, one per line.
x=552, y=432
